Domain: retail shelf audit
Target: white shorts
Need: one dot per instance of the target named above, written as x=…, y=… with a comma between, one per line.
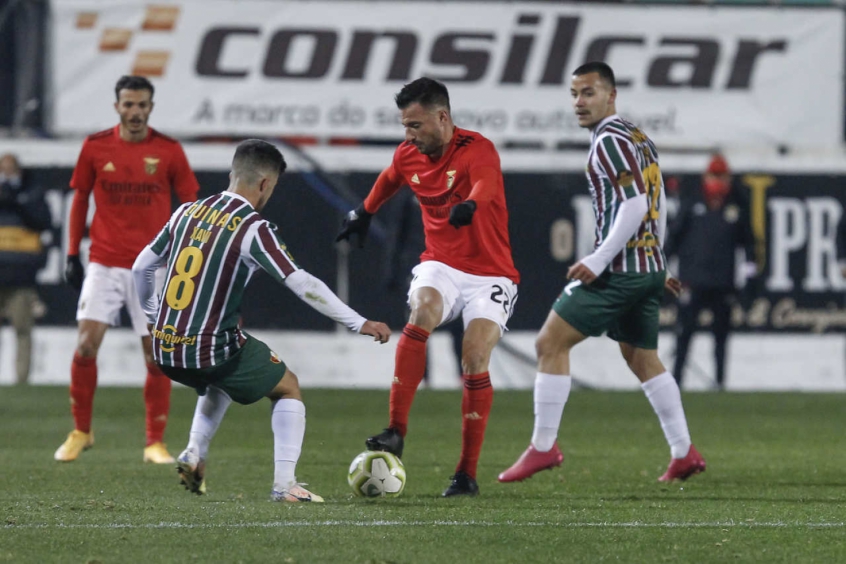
x=468, y=295
x=105, y=290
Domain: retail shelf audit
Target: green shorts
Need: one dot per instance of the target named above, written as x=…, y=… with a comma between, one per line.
x=246, y=377
x=625, y=305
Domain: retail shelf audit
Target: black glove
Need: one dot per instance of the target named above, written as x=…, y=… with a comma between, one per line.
x=356, y=221
x=74, y=273
x=462, y=214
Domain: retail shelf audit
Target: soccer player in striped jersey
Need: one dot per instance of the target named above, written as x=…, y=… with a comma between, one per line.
x=212, y=247
x=617, y=288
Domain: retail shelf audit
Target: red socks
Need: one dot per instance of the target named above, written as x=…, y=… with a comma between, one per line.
x=82, y=388
x=410, y=366
x=475, y=408
x=157, y=402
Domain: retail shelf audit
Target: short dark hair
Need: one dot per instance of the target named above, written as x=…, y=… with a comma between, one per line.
x=602, y=69
x=130, y=82
x=427, y=92
x=254, y=156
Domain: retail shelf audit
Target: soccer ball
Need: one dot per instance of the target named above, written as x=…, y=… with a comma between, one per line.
x=376, y=474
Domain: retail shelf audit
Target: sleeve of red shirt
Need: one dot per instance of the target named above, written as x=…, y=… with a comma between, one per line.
x=485, y=174
x=82, y=182
x=388, y=183
x=182, y=177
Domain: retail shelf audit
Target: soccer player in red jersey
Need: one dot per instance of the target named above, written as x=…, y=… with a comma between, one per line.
x=466, y=268
x=131, y=169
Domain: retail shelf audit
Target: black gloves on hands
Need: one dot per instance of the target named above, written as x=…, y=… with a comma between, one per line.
x=356, y=221
x=74, y=273
x=462, y=214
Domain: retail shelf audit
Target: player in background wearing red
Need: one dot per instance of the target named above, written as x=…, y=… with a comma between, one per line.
x=131, y=169
x=466, y=268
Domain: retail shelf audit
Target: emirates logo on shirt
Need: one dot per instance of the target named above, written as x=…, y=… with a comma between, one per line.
x=151, y=165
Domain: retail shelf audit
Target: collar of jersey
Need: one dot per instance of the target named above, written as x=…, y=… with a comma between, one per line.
x=238, y=196
x=599, y=125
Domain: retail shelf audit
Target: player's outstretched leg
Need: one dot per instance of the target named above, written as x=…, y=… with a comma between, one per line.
x=551, y=393
x=191, y=463
x=192, y=471
x=475, y=409
x=664, y=395
x=288, y=423
x=157, y=405
x=82, y=388
x=409, y=368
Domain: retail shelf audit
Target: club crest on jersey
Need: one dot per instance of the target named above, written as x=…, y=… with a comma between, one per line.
x=151, y=165
x=450, y=178
x=274, y=358
x=625, y=178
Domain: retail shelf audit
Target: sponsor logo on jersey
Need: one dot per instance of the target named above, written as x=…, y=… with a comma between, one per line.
x=151, y=165
x=625, y=178
x=450, y=178
x=169, y=338
x=109, y=167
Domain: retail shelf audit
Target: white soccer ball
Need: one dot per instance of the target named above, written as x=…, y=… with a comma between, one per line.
x=376, y=474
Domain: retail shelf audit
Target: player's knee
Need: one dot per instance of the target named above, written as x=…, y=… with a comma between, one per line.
x=425, y=315
x=287, y=388
x=547, y=346
x=87, y=348
x=475, y=358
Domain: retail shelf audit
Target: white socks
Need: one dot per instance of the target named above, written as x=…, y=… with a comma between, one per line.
x=288, y=423
x=207, y=417
x=664, y=395
x=551, y=392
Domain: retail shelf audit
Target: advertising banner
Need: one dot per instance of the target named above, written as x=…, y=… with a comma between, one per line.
x=793, y=217
x=691, y=76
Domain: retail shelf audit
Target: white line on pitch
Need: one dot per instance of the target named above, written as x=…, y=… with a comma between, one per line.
x=379, y=523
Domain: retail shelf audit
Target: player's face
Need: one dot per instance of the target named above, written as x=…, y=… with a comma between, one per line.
x=426, y=128
x=134, y=107
x=593, y=99
x=268, y=184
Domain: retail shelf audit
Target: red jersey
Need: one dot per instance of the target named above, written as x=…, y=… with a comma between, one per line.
x=470, y=164
x=132, y=185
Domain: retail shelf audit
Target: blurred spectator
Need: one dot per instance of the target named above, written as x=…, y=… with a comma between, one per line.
x=23, y=216
x=705, y=236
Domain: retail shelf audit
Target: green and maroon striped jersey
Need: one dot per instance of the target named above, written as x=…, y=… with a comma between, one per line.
x=622, y=164
x=213, y=247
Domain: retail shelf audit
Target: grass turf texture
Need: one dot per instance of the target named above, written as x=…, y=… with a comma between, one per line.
x=774, y=491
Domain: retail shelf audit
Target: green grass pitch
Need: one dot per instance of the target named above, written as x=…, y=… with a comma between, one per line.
x=774, y=491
